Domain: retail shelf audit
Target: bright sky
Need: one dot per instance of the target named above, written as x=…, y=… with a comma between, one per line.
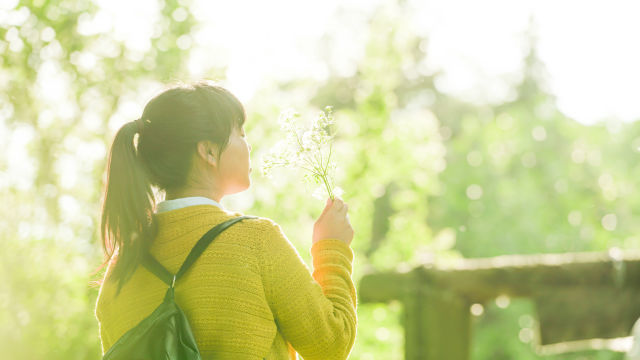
x=590, y=48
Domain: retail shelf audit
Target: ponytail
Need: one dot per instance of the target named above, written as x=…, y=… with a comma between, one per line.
x=128, y=225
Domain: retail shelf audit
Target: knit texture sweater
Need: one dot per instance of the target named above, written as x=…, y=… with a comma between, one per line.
x=249, y=296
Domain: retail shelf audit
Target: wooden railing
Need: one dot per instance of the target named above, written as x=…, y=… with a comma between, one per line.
x=578, y=296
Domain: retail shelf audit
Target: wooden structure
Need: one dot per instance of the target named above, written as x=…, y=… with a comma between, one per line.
x=577, y=296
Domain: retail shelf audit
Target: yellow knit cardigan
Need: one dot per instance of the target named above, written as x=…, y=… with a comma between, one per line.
x=249, y=295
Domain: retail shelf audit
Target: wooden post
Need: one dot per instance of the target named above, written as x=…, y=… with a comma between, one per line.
x=436, y=301
x=437, y=324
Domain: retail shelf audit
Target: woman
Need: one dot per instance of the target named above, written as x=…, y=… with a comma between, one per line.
x=249, y=295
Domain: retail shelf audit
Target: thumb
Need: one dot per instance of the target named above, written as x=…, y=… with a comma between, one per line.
x=327, y=206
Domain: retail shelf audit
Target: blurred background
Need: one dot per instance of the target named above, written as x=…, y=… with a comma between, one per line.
x=464, y=129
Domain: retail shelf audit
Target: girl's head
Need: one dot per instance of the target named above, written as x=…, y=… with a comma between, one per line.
x=188, y=137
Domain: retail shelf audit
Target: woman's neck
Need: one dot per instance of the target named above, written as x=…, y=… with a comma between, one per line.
x=191, y=192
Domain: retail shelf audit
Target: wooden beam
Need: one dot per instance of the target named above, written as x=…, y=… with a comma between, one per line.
x=386, y=286
x=436, y=301
x=480, y=280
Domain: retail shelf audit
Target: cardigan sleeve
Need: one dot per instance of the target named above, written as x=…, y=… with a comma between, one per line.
x=316, y=312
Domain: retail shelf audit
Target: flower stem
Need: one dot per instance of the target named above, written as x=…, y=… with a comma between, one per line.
x=324, y=178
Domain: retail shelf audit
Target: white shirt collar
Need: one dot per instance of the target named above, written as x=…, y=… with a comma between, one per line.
x=168, y=205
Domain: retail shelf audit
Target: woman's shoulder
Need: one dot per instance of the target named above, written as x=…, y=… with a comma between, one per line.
x=265, y=227
x=260, y=231
x=256, y=222
x=198, y=218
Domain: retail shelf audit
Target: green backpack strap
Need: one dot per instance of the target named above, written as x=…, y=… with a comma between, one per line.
x=157, y=269
x=166, y=276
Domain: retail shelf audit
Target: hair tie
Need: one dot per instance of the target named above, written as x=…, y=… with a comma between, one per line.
x=140, y=124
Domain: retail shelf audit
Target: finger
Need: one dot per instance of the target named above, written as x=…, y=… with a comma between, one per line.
x=326, y=207
x=328, y=204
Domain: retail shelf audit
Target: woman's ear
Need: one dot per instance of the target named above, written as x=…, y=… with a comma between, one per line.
x=206, y=151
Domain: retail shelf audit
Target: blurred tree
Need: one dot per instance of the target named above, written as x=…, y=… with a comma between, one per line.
x=523, y=178
x=518, y=177
x=66, y=76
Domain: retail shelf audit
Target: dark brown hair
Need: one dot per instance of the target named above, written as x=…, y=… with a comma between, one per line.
x=168, y=131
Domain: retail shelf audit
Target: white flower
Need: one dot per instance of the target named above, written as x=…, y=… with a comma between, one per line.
x=287, y=120
x=306, y=151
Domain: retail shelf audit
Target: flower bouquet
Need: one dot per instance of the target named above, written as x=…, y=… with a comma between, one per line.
x=308, y=149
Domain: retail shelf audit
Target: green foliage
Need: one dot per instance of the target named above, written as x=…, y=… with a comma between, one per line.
x=64, y=88
x=428, y=178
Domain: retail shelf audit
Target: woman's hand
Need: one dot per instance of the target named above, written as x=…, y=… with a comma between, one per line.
x=333, y=223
